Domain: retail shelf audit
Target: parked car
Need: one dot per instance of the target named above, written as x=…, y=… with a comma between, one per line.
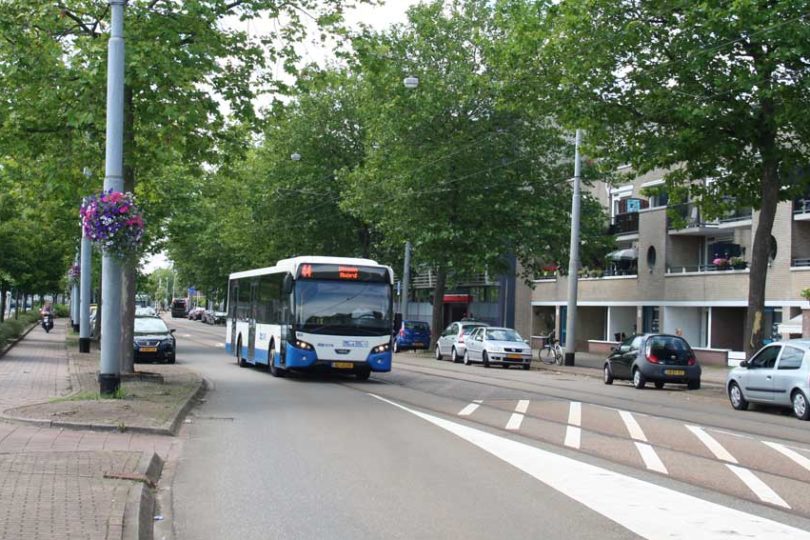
x=153, y=341
x=452, y=340
x=495, y=345
x=195, y=314
x=147, y=311
x=658, y=358
x=412, y=335
x=214, y=317
x=778, y=374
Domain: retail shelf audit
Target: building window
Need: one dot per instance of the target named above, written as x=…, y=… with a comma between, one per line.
x=651, y=257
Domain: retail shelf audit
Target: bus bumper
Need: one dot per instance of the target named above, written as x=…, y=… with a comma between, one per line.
x=302, y=359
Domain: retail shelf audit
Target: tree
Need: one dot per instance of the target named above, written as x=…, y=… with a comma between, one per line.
x=450, y=166
x=704, y=90
x=183, y=64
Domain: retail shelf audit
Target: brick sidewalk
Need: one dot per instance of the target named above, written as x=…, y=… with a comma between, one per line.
x=52, y=481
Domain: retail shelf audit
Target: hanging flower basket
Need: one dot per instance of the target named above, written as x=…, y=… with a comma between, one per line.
x=74, y=273
x=111, y=220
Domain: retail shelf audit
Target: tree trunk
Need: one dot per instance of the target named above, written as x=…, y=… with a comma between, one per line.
x=438, y=303
x=129, y=271
x=760, y=255
x=3, y=290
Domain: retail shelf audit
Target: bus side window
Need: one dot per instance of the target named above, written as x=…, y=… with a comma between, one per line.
x=243, y=303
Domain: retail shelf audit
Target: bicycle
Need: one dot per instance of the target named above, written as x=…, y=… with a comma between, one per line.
x=551, y=353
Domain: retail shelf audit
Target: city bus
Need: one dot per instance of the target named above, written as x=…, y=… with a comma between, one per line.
x=312, y=312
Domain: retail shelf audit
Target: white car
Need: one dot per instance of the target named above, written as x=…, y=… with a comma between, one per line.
x=495, y=345
x=776, y=375
x=452, y=340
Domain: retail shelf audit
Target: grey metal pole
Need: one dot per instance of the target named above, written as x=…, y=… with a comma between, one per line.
x=406, y=280
x=573, y=263
x=75, y=298
x=84, y=296
x=109, y=377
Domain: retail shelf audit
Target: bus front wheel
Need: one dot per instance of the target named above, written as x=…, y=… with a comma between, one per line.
x=271, y=363
x=363, y=374
x=239, y=359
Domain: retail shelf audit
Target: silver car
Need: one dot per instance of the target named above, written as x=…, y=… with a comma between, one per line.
x=495, y=345
x=452, y=340
x=776, y=375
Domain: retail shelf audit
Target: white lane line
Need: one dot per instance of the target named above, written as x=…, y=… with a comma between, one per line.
x=711, y=443
x=760, y=488
x=790, y=454
x=651, y=459
x=573, y=437
x=522, y=406
x=517, y=417
x=575, y=413
x=632, y=426
x=619, y=497
x=469, y=409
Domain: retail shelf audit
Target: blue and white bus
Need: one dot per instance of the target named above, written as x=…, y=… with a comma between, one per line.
x=309, y=312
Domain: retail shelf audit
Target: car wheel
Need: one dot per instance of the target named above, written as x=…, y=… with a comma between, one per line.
x=693, y=385
x=454, y=356
x=396, y=347
x=735, y=396
x=485, y=359
x=800, y=407
x=170, y=360
x=467, y=361
x=271, y=363
x=438, y=352
x=607, y=375
x=527, y=367
x=639, y=380
x=239, y=359
x=659, y=384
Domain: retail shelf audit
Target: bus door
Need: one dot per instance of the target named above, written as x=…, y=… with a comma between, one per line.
x=254, y=291
x=232, y=313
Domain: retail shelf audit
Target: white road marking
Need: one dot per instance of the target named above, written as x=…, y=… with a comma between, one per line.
x=651, y=459
x=790, y=454
x=711, y=443
x=575, y=414
x=632, y=426
x=573, y=436
x=517, y=417
x=760, y=488
x=622, y=499
x=469, y=409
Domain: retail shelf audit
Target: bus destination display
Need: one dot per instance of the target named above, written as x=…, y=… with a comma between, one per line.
x=343, y=272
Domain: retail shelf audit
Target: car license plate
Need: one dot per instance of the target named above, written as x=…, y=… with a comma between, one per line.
x=342, y=365
x=148, y=349
x=674, y=372
x=513, y=357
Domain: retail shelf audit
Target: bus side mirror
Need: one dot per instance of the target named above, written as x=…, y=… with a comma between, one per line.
x=287, y=284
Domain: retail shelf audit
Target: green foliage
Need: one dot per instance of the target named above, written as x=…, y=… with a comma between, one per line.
x=11, y=329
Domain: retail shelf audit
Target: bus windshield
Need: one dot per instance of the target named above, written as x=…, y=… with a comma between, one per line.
x=343, y=307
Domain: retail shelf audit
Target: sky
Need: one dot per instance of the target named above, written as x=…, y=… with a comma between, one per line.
x=378, y=17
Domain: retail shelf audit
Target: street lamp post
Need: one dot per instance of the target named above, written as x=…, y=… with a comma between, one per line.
x=85, y=277
x=573, y=263
x=109, y=377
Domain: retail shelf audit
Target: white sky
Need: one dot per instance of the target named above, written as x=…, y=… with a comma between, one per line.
x=378, y=17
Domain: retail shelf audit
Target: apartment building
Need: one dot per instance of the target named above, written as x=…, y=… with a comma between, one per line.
x=681, y=274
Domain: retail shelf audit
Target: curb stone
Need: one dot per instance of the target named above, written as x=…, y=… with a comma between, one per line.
x=140, y=506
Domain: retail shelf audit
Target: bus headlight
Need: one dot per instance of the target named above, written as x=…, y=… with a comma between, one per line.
x=381, y=348
x=298, y=344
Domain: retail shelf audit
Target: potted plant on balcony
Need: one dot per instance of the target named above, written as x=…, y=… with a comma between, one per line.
x=738, y=263
x=806, y=294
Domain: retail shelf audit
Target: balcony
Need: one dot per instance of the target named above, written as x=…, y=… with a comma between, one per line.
x=801, y=209
x=690, y=222
x=623, y=224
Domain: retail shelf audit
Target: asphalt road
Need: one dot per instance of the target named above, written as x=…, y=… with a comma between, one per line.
x=437, y=450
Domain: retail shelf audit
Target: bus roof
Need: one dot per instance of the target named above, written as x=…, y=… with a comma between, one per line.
x=291, y=265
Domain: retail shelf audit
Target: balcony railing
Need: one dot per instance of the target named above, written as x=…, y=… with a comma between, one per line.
x=702, y=268
x=624, y=223
x=801, y=207
x=690, y=216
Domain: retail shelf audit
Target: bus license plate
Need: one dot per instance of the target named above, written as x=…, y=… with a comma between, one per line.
x=674, y=372
x=148, y=349
x=342, y=365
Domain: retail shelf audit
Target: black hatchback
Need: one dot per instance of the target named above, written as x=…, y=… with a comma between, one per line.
x=658, y=358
